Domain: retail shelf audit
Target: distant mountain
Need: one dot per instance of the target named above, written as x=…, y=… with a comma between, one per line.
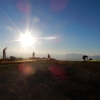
x=78, y=57
x=95, y=57
x=74, y=57
x=71, y=57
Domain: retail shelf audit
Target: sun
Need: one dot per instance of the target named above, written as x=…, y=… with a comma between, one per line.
x=26, y=40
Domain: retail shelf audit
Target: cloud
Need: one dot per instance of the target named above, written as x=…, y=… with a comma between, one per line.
x=36, y=20
x=9, y=28
x=50, y=38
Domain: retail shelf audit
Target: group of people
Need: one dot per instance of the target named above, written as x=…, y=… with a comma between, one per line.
x=33, y=54
x=86, y=57
x=4, y=54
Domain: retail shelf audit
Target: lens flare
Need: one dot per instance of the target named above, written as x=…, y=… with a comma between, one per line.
x=26, y=69
x=58, y=72
x=26, y=40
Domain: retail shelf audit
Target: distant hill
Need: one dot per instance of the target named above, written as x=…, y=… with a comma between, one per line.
x=96, y=57
x=78, y=57
x=72, y=56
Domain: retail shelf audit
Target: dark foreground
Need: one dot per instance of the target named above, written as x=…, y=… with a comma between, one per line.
x=46, y=80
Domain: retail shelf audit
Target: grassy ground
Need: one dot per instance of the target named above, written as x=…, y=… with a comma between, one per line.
x=50, y=80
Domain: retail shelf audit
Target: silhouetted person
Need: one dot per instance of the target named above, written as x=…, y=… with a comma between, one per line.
x=48, y=56
x=4, y=53
x=33, y=54
x=84, y=57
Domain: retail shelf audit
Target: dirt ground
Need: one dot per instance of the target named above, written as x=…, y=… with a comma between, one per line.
x=50, y=81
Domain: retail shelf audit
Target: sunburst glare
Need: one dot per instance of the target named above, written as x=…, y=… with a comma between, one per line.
x=26, y=40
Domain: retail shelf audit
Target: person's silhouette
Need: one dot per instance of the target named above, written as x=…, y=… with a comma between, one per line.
x=33, y=54
x=84, y=57
x=48, y=56
x=4, y=53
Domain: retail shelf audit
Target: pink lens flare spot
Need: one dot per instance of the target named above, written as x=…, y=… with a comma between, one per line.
x=58, y=71
x=58, y=5
x=26, y=69
x=23, y=6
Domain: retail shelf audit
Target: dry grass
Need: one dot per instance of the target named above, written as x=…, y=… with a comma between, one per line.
x=74, y=81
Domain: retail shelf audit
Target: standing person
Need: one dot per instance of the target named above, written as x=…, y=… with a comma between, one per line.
x=4, y=53
x=48, y=56
x=33, y=54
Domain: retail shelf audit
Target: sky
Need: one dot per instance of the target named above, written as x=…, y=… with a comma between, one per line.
x=58, y=26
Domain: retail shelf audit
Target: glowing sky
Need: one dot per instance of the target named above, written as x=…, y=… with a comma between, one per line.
x=59, y=26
